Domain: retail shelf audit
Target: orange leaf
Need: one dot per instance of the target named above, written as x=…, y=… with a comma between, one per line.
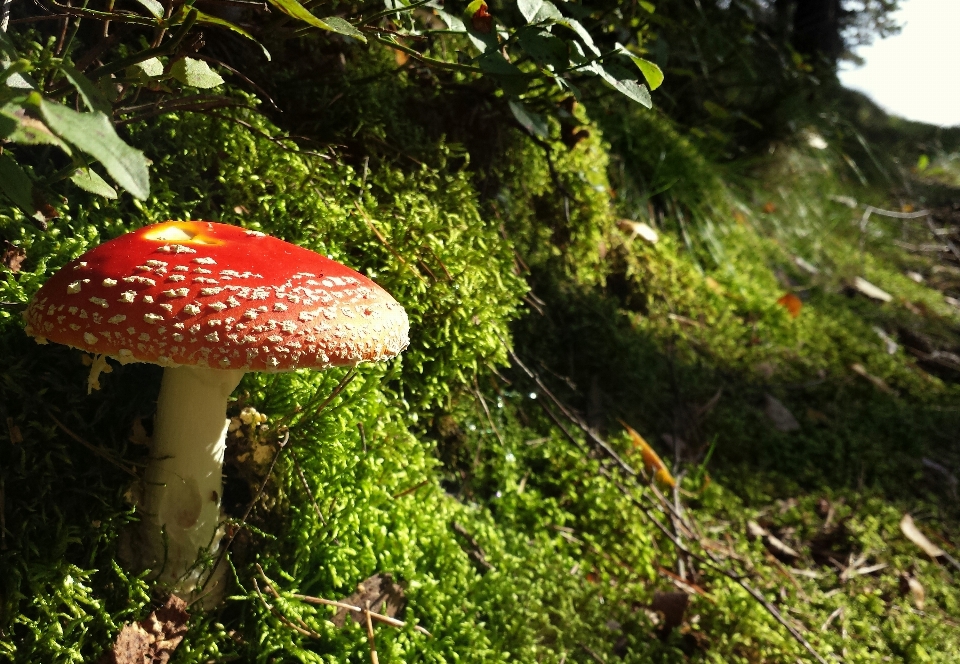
x=791, y=303
x=651, y=460
x=769, y=207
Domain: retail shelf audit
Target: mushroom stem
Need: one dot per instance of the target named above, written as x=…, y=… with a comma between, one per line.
x=184, y=479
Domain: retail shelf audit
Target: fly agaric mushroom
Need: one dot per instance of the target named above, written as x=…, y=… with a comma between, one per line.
x=208, y=302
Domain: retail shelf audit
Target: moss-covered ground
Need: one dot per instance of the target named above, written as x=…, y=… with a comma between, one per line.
x=513, y=538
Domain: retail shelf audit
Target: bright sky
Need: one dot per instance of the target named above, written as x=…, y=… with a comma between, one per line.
x=915, y=74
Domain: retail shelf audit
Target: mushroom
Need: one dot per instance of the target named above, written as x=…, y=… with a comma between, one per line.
x=208, y=302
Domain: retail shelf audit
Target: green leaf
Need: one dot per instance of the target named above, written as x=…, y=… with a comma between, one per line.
x=529, y=9
x=207, y=19
x=473, y=8
x=295, y=10
x=144, y=71
x=544, y=47
x=923, y=163
x=716, y=110
x=648, y=7
x=28, y=130
x=534, y=123
x=508, y=75
x=548, y=12
x=92, y=133
x=454, y=23
x=154, y=7
x=91, y=96
x=17, y=186
x=650, y=71
x=343, y=27
x=195, y=73
x=89, y=180
x=620, y=81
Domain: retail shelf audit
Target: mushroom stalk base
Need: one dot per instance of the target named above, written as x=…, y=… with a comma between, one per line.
x=184, y=480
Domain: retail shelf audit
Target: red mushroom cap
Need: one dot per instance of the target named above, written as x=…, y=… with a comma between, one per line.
x=208, y=294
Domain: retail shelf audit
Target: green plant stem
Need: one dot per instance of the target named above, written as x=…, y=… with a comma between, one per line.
x=416, y=55
x=167, y=49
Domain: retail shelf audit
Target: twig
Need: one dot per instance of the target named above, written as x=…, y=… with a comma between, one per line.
x=363, y=436
x=243, y=520
x=306, y=487
x=593, y=655
x=950, y=245
x=282, y=618
x=373, y=646
x=412, y=489
x=99, y=451
x=486, y=411
x=383, y=241
x=340, y=605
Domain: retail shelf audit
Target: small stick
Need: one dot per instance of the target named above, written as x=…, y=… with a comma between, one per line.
x=99, y=451
x=340, y=605
x=374, y=659
x=263, y=485
x=386, y=244
x=282, y=618
x=306, y=487
x=410, y=490
x=486, y=411
x=363, y=436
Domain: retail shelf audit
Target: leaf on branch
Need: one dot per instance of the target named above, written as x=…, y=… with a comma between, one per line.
x=620, y=81
x=195, y=73
x=154, y=7
x=508, y=75
x=144, y=71
x=17, y=186
x=88, y=180
x=529, y=9
x=92, y=133
x=651, y=72
x=336, y=24
x=544, y=47
x=91, y=95
x=207, y=19
x=28, y=130
x=481, y=19
x=534, y=123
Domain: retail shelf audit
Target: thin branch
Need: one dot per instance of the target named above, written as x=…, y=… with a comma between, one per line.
x=99, y=451
x=386, y=244
x=224, y=548
x=340, y=605
x=374, y=658
x=306, y=487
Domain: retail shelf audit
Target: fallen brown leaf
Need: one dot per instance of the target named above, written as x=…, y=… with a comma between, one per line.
x=13, y=257
x=384, y=596
x=908, y=584
x=152, y=640
x=912, y=533
x=791, y=303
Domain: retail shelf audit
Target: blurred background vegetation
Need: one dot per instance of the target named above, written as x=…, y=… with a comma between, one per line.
x=598, y=215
